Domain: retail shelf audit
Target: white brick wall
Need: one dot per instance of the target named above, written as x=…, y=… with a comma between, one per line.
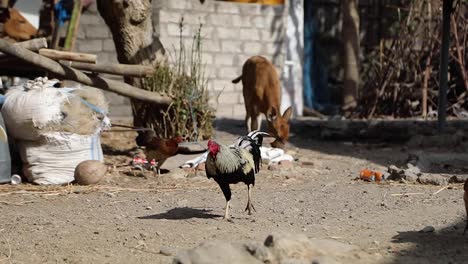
x=232, y=32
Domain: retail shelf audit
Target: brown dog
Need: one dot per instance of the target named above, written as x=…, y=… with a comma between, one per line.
x=262, y=94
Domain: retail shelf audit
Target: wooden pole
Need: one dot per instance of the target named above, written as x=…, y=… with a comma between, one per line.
x=130, y=70
x=76, y=75
x=68, y=55
x=33, y=44
x=443, y=73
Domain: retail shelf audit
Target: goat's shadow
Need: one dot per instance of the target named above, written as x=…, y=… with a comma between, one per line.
x=181, y=213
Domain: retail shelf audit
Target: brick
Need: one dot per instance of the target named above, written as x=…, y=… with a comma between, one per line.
x=90, y=19
x=80, y=34
x=207, y=58
x=240, y=98
x=268, y=36
x=224, y=59
x=209, y=72
x=227, y=73
x=206, y=31
x=230, y=8
x=258, y=22
x=227, y=33
x=173, y=29
x=274, y=48
x=253, y=48
x=109, y=57
x=180, y=4
x=194, y=18
x=91, y=45
x=211, y=45
x=216, y=86
x=208, y=6
x=238, y=111
x=108, y=45
x=231, y=46
x=250, y=9
x=225, y=19
x=97, y=32
x=249, y=34
x=166, y=16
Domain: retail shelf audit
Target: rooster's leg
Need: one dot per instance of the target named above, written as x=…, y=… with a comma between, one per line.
x=465, y=198
x=226, y=211
x=249, y=206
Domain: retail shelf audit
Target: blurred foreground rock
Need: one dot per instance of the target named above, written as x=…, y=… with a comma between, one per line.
x=278, y=248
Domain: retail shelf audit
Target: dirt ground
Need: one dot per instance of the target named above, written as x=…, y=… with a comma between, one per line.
x=131, y=218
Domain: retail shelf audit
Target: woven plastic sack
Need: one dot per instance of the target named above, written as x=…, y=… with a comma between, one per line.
x=52, y=160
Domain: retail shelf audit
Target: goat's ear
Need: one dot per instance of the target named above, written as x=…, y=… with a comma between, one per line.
x=272, y=114
x=287, y=114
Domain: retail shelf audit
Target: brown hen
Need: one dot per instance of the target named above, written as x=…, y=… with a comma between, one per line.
x=158, y=149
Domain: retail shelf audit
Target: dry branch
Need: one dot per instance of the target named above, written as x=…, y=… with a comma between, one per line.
x=129, y=70
x=76, y=75
x=68, y=55
x=33, y=44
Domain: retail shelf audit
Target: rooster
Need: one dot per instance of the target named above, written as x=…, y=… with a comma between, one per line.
x=233, y=164
x=157, y=148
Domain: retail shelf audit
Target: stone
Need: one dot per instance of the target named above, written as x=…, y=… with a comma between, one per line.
x=433, y=179
x=427, y=229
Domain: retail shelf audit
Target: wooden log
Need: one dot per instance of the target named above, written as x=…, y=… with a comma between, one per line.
x=68, y=55
x=33, y=44
x=76, y=75
x=129, y=70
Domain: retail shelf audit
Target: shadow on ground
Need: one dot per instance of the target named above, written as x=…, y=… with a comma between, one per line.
x=181, y=213
x=447, y=245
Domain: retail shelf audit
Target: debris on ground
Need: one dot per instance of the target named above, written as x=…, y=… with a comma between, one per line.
x=371, y=175
x=431, y=168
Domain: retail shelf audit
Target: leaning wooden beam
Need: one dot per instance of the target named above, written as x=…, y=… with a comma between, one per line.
x=68, y=55
x=129, y=70
x=33, y=44
x=78, y=76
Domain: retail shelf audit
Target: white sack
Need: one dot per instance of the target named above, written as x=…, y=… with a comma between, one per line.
x=52, y=160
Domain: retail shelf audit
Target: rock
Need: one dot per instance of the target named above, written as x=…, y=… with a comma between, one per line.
x=90, y=172
x=427, y=229
x=458, y=178
x=433, y=179
x=214, y=252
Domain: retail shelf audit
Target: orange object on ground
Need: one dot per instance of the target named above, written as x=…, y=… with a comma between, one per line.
x=370, y=175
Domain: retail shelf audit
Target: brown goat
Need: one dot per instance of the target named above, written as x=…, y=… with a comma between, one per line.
x=262, y=94
x=18, y=27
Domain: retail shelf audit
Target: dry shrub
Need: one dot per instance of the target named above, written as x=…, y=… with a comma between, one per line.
x=189, y=115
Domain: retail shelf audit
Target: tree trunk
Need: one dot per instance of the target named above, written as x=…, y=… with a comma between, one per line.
x=131, y=25
x=350, y=39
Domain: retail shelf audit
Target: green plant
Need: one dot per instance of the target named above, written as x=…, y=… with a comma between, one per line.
x=189, y=115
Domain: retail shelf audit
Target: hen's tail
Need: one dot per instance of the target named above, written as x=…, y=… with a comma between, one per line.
x=252, y=142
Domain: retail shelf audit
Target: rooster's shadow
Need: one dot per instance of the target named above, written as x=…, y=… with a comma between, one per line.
x=181, y=213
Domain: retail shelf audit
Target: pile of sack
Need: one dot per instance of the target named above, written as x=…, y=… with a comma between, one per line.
x=55, y=129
